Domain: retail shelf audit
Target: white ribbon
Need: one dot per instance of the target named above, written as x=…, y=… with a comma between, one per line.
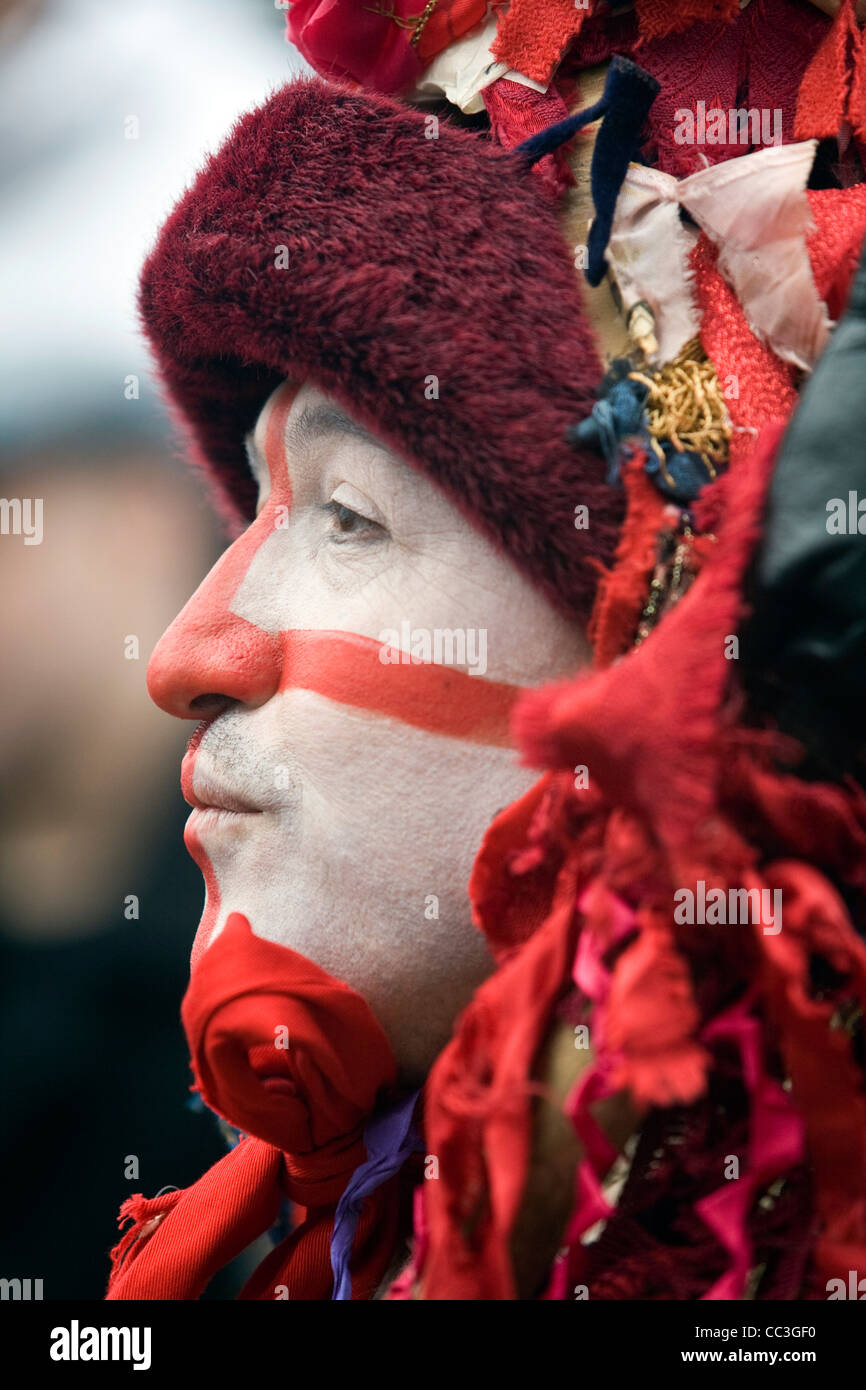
x=463, y=69
x=755, y=210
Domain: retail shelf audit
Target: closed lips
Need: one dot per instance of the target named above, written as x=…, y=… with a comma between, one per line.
x=208, y=796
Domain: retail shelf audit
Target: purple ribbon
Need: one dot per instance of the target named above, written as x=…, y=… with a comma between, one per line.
x=389, y=1139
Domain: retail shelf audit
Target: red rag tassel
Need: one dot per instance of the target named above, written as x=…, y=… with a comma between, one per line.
x=652, y=1022
x=478, y=1113
x=826, y=87
x=208, y=1224
x=510, y=891
x=145, y=1213
x=826, y=1078
x=857, y=99
x=622, y=590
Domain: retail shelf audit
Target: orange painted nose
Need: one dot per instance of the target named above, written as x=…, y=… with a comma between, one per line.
x=210, y=657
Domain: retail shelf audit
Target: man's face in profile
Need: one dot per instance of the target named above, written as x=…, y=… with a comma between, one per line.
x=342, y=790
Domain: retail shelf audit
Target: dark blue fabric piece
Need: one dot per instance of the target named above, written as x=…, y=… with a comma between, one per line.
x=629, y=92
x=618, y=415
x=686, y=473
x=550, y=139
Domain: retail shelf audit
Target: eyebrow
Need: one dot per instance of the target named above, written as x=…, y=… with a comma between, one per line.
x=318, y=421
x=314, y=422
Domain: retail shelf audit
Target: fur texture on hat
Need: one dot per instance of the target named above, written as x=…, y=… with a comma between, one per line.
x=404, y=258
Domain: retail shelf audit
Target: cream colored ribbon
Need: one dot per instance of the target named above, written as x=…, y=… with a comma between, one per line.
x=755, y=210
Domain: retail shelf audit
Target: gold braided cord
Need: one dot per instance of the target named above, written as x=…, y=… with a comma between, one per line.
x=685, y=405
x=428, y=10
x=414, y=22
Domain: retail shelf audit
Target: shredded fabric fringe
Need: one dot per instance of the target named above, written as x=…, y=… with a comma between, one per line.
x=714, y=1032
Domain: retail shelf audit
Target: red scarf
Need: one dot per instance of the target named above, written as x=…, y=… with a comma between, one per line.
x=295, y=1059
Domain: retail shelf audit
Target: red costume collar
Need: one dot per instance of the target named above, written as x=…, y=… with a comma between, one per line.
x=296, y=1060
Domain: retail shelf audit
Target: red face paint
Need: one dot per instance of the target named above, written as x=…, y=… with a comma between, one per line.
x=199, y=856
x=275, y=435
x=210, y=650
x=348, y=669
x=196, y=849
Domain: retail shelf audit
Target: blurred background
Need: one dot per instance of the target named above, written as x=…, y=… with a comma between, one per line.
x=106, y=112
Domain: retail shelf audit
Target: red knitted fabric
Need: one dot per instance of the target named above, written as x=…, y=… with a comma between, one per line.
x=533, y=35
x=834, y=88
x=758, y=61
x=756, y=57
x=760, y=385
x=405, y=258
x=516, y=112
x=601, y=37
x=781, y=40
x=823, y=97
x=836, y=244
x=658, y=18
x=857, y=97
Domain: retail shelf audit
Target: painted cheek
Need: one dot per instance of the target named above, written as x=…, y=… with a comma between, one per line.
x=349, y=669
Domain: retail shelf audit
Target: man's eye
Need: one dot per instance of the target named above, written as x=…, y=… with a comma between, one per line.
x=351, y=524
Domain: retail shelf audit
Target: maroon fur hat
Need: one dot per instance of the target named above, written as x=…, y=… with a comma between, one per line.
x=408, y=257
